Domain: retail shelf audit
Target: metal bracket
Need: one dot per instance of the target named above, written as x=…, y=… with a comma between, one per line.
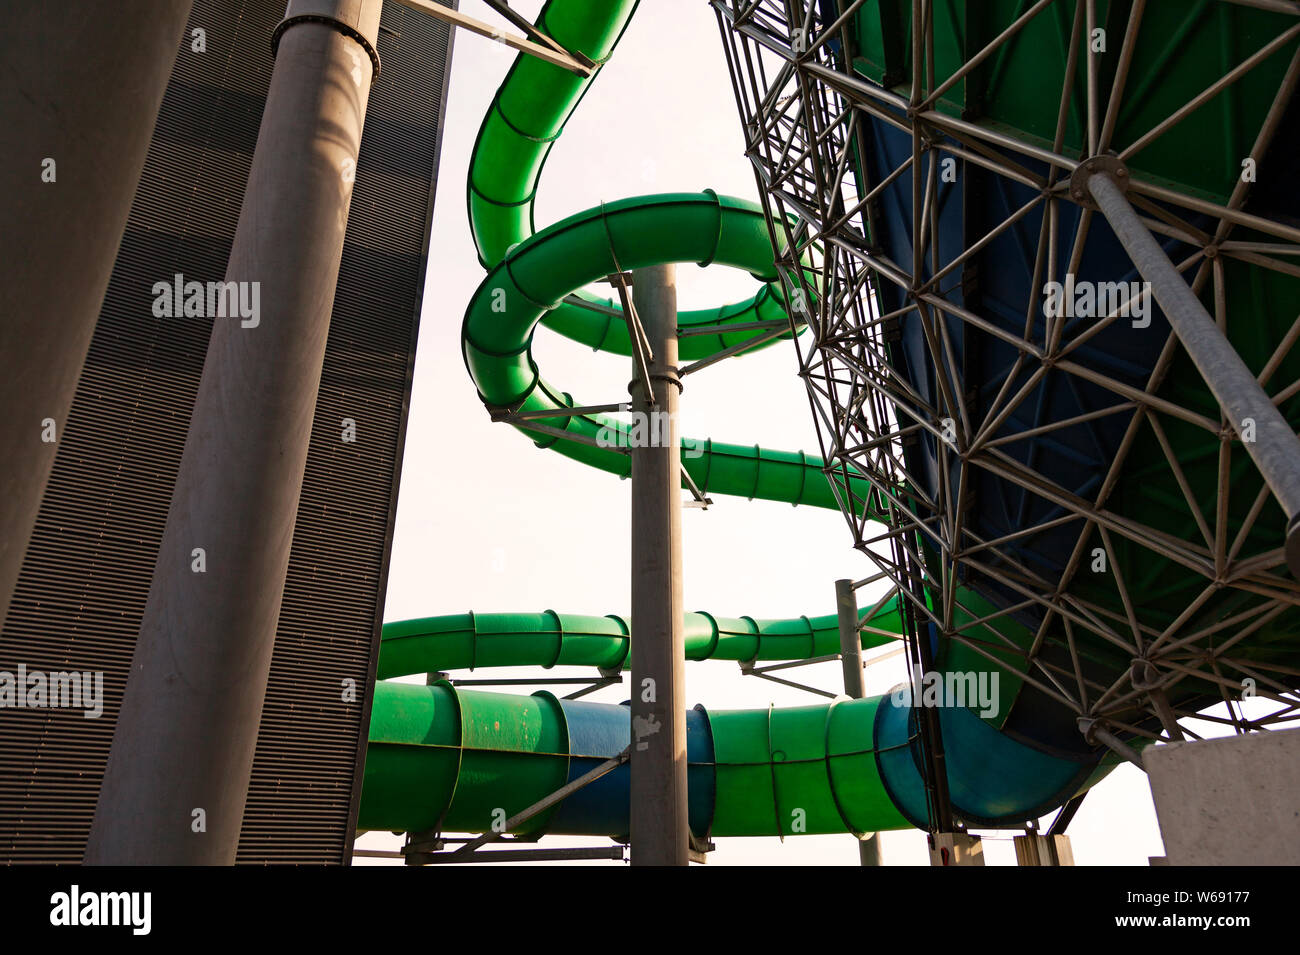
x=747, y=668
x=430, y=848
x=548, y=51
x=701, y=501
x=687, y=331
x=641, y=350
x=503, y=8
x=1066, y=814
x=1095, y=732
x=699, y=848
x=509, y=417
x=613, y=853
x=608, y=677
x=420, y=851
x=1145, y=677
x=736, y=349
x=570, y=412
x=1105, y=163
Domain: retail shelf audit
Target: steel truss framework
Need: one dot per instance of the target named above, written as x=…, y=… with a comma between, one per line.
x=805, y=116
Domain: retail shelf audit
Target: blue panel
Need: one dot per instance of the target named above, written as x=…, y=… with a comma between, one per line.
x=701, y=778
x=598, y=731
x=992, y=779
x=894, y=730
x=998, y=285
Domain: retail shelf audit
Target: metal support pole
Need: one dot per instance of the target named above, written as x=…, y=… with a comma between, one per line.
x=84, y=95
x=178, y=773
x=846, y=605
x=659, y=833
x=869, y=849
x=1276, y=449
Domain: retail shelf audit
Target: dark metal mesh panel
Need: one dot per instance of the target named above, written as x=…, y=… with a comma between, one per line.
x=87, y=572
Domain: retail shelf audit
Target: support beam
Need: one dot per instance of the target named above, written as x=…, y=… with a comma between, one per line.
x=1095, y=732
x=84, y=96
x=846, y=606
x=1066, y=815
x=659, y=832
x=869, y=849
x=1276, y=449
x=1035, y=848
x=469, y=849
x=515, y=856
x=177, y=776
x=548, y=51
x=955, y=848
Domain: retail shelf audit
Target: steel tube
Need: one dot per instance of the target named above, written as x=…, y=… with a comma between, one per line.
x=1276, y=449
x=613, y=853
x=91, y=85
x=659, y=833
x=846, y=606
x=178, y=772
x=1093, y=731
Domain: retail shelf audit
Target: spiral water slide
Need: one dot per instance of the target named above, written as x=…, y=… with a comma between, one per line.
x=451, y=759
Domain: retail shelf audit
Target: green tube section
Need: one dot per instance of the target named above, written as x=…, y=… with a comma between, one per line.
x=454, y=760
x=497, y=333
x=460, y=760
x=535, y=278
x=526, y=117
x=473, y=640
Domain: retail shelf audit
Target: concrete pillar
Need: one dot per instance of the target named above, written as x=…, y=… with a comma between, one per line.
x=177, y=776
x=1039, y=849
x=84, y=92
x=956, y=848
x=869, y=849
x=1229, y=801
x=659, y=831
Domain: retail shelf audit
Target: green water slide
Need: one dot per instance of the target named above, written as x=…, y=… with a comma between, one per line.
x=454, y=759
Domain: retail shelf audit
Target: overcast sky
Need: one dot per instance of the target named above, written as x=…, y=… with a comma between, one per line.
x=487, y=522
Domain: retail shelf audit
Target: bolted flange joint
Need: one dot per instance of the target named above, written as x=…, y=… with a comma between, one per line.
x=357, y=19
x=1106, y=164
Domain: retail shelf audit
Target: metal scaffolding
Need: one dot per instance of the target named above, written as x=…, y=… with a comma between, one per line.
x=1121, y=666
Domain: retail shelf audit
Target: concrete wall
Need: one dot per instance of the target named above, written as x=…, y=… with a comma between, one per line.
x=1231, y=801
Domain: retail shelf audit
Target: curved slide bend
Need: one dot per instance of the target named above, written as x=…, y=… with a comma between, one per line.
x=454, y=759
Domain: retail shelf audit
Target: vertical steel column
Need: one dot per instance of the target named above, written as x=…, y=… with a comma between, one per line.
x=178, y=772
x=659, y=831
x=1275, y=450
x=846, y=605
x=84, y=92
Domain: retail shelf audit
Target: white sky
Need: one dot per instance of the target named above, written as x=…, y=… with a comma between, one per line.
x=487, y=522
